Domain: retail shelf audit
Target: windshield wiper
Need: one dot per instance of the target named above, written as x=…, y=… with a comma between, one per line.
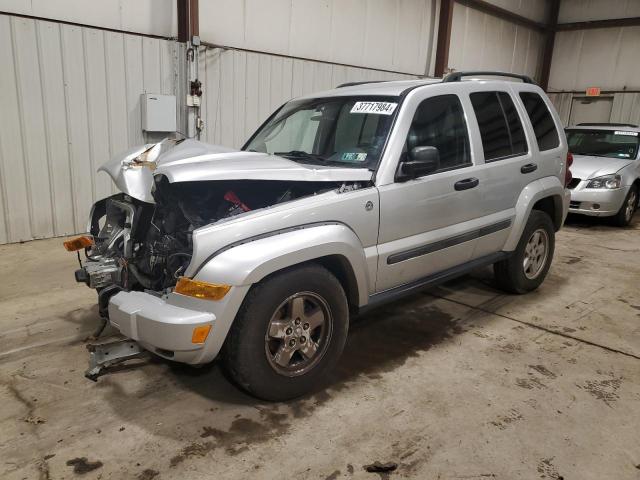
x=301, y=154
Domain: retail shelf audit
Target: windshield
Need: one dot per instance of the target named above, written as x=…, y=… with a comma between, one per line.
x=339, y=131
x=603, y=143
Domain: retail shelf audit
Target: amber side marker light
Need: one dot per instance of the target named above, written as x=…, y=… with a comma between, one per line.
x=200, y=334
x=78, y=243
x=199, y=289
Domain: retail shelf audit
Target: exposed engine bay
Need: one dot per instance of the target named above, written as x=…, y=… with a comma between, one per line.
x=148, y=246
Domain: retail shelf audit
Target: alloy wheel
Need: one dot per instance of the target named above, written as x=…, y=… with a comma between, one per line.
x=535, y=253
x=298, y=334
x=630, y=206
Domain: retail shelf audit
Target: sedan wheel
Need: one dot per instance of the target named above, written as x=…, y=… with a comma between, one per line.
x=630, y=205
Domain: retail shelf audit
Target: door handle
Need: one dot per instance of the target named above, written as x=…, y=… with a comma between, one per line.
x=466, y=184
x=528, y=168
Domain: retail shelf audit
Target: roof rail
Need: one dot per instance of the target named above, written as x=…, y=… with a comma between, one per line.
x=457, y=76
x=352, y=84
x=607, y=125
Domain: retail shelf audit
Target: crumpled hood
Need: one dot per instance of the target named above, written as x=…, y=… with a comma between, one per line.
x=191, y=160
x=585, y=166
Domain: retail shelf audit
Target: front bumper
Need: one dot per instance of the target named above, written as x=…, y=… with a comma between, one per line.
x=597, y=202
x=158, y=326
x=164, y=325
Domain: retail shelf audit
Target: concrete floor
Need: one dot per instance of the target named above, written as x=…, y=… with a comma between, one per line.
x=458, y=382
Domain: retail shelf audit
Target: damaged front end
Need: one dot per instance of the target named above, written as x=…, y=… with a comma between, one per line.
x=141, y=240
x=147, y=246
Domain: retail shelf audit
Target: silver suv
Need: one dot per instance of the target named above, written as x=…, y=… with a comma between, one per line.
x=341, y=201
x=606, y=170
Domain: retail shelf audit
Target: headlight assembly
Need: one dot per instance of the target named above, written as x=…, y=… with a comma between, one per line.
x=608, y=181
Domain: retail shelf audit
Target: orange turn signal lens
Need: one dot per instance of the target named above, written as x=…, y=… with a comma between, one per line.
x=200, y=334
x=199, y=289
x=78, y=243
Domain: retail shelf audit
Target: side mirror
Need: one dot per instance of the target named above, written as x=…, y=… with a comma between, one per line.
x=422, y=161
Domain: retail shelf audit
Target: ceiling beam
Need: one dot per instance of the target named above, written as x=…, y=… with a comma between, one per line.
x=491, y=9
x=610, y=23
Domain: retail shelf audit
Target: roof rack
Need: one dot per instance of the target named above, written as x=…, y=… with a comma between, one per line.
x=457, y=76
x=352, y=84
x=607, y=125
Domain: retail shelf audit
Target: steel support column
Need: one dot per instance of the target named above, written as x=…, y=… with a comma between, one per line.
x=189, y=87
x=444, y=37
x=549, y=41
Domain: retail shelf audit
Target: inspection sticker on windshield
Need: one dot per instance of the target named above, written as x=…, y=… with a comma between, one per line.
x=631, y=134
x=354, y=157
x=377, y=108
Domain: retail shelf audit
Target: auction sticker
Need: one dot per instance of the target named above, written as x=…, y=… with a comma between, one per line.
x=631, y=134
x=377, y=108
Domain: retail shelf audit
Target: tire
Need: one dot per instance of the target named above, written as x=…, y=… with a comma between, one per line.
x=511, y=274
x=628, y=208
x=284, y=308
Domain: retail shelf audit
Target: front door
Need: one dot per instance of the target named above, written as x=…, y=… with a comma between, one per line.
x=429, y=224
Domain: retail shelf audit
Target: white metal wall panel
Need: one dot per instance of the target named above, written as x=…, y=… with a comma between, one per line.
x=397, y=35
x=604, y=57
x=241, y=89
x=586, y=10
x=483, y=42
x=70, y=100
x=626, y=108
x=533, y=9
x=562, y=104
x=152, y=17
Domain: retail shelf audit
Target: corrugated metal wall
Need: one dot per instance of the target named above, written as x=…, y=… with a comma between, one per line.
x=586, y=10
x=602, y=57
x=70, y=100
x=396, y=35
x=241, y=89
x=484, y=42
x=153, y=17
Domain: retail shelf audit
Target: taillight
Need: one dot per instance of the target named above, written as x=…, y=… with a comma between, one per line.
x=567, y=173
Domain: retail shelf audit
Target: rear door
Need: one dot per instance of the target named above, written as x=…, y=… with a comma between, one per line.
x=508, y=160
x=548, y=151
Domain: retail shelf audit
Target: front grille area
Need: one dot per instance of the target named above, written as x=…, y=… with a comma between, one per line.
x=573, y=183
x=574, y=204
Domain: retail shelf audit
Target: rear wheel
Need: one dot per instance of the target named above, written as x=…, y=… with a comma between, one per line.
x=527, y=268
x=628, y=208
x=290, y=330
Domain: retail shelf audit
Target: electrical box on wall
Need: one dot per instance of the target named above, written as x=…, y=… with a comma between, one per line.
x=158, y=112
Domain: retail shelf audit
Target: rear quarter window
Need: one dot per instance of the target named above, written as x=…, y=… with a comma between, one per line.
x=541, y=120
x=500, y=126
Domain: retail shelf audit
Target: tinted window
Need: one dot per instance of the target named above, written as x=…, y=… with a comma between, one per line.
x=541, y=120
x=439, y=122
x=500, y=127
x=518, y=143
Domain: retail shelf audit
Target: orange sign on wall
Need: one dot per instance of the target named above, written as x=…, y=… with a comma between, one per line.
x=593, y=92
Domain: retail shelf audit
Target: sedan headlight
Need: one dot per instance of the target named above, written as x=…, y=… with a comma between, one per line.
x=607, y=181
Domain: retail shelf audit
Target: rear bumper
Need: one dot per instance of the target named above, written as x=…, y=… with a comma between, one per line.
x=158, y=326
x=598, y=203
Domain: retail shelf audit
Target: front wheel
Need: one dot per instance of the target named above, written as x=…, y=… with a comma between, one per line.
x=290, y=330
x=527, y=268
x=628, y=208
